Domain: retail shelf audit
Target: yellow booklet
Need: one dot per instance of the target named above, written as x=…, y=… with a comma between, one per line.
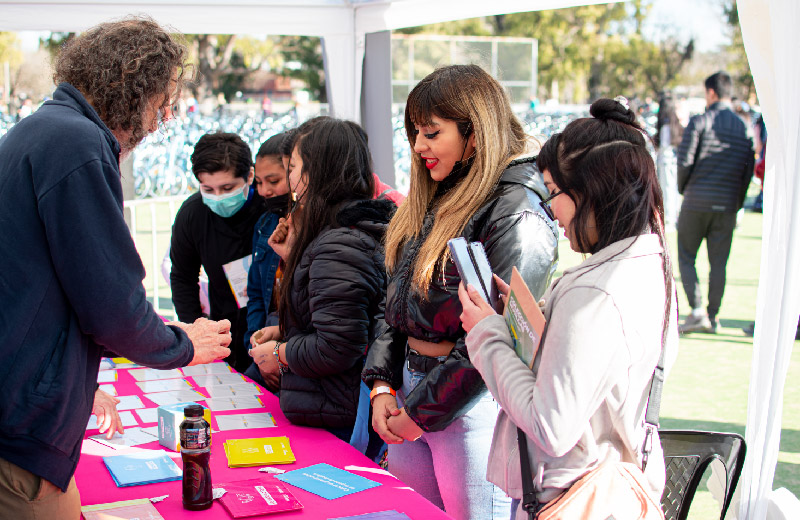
x=258, y=452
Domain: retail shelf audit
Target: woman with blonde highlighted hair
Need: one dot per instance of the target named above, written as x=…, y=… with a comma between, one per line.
x=472, y=176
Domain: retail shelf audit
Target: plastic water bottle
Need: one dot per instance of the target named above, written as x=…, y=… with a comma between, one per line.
x=196, y=454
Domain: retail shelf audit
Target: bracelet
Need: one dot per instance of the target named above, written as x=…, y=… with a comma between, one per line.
x=282, y=367
x=381, y=390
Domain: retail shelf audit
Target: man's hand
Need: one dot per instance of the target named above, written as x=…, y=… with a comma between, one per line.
x=384, y=406
x=403, y=426
x=282, y=239
x=270, y=333
x=105, y=408
x=210, y=339
x=264, y=357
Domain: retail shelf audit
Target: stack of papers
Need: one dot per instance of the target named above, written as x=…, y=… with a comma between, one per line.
x=202, y=370
x=131, y=437
x=242, y=402
x=138, y=509
x=219, y=379
x=126, y=417
x=147, y=467
x=233, y=390
x=257, y=497
x=245, y=421
x=151, y=374
x=244, y=453
x=176, y=396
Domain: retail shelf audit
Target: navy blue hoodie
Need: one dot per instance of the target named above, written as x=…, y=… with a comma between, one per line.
x=70, y=284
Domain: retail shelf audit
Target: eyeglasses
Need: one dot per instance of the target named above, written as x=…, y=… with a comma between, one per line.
x=545, y=204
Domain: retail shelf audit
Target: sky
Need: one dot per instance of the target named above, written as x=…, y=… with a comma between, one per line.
x=701, y=19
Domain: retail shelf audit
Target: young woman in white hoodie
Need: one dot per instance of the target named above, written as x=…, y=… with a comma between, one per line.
x=607, y=317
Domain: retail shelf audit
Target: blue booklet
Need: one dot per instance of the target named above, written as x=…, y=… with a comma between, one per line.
x=327, y=481
x=146, y=467
x=379, y=515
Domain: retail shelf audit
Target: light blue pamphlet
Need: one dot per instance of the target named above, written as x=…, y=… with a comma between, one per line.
x=327, y=481
x=146, y=467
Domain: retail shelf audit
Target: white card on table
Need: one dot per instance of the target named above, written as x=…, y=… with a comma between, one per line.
x=233, y=390
x=148, y=415
x=109, y=389
x=129, y=402
x=150, y=374
x=163, y=385
x=182, y=396
x=210, y=368
x=245, y=421
x=219, y=379
x=152, y=430
x=131, y=437
x=126, y=416
x=220, y=404
x=107, y=376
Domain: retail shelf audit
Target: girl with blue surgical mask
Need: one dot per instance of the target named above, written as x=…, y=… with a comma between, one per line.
x=214, y=230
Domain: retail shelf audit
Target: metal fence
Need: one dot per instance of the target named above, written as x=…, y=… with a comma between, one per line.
x=151, y=228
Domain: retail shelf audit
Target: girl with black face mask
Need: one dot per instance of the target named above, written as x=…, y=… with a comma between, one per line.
x=270, y=182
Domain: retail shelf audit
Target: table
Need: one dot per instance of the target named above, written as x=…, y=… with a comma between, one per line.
x=310, y=446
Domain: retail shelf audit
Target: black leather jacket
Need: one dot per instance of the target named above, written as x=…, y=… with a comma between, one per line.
x=515, y=232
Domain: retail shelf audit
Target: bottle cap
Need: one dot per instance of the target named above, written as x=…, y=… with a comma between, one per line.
x=193, y=410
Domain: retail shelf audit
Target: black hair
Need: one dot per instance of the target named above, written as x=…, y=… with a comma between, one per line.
x=337, y=168
x=603, y=165
x=721, y=83
x=222, y=151
x=287, y=145
x=272, y=146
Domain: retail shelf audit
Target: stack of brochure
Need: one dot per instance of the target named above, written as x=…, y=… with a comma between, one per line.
x=136, y=469
x=258, y=452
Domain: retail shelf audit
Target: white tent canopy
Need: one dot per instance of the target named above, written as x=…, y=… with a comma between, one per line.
x=343, y=26
x=772, y=42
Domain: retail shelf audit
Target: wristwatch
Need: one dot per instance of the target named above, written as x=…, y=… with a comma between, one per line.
x=381, y=390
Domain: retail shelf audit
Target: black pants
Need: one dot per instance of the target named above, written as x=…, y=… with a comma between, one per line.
x=717, y=230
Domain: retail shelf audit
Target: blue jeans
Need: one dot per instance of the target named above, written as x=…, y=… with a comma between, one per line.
x=457, y=457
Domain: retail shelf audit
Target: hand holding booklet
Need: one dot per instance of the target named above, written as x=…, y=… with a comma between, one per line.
x=524, y=319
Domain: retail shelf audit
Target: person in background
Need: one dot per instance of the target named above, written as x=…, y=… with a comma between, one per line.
x=668, y=137
x=271, y=183
x=215, y=227
x=70, y=275
x=473, y=176
x=607, y=318
x=333, y=285
x=715, y=165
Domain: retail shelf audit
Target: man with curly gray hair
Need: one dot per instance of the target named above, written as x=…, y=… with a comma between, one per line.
x=70, y=275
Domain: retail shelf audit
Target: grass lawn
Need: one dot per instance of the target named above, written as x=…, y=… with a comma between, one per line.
x=708, y=386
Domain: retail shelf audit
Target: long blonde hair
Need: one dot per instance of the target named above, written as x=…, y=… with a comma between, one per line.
x=473, y=99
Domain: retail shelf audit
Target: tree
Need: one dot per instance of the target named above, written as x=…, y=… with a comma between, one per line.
x=739, y=67
x=302, y=59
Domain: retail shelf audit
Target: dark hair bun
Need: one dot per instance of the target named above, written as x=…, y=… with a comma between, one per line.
x=609, y=109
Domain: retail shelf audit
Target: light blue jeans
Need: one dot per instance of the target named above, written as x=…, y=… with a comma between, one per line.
x=449, y=467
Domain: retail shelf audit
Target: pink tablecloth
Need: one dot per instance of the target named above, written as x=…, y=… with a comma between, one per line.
x=310, y=446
